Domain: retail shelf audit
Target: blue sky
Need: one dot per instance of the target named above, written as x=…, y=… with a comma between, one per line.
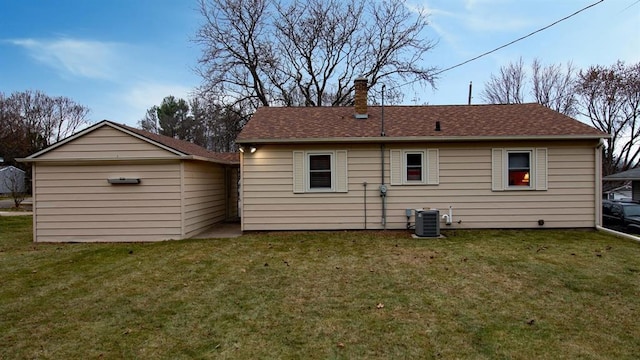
x=120, y=57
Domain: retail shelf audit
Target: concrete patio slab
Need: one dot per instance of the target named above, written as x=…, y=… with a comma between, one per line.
x=220, y=231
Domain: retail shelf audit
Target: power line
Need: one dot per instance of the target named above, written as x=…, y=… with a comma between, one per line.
x=509, y=43
x=521, y=38
x=630, y=5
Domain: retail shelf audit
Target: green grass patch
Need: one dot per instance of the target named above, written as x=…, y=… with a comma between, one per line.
x=475, y=294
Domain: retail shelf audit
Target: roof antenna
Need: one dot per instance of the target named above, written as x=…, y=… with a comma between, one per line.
x=382, y=117
x=470, y=87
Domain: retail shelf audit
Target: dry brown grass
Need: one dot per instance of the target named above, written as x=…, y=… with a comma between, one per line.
x=476, y=295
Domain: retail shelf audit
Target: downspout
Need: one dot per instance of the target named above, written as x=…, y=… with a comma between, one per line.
x=383, y=187
x=383, y=190
x=598, y=183
x=365, y=204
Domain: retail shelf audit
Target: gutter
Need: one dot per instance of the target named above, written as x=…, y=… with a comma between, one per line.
x=404, y=139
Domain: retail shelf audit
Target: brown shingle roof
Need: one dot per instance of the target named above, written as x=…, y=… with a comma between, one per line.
x=281, y=124
x=185, y=147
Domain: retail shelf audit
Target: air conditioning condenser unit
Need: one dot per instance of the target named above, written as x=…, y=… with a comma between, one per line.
x=428, y=223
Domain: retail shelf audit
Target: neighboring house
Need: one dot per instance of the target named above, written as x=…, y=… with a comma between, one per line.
x=11, y=180
x=632, y=175
x=620, y=193
x=496, y=166
x=111, y=182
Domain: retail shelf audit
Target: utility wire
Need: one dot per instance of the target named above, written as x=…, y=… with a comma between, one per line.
x=630, y=6
x=507, y=44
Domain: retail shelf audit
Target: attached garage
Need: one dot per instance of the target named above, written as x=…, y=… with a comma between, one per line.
x=113, y=183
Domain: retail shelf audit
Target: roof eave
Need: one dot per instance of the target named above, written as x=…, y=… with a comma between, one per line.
x=390, y=139
x=212, y=160
x=610, y=178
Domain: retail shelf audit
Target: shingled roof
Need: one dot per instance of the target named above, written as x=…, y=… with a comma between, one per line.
x=406, y=123
x=185, y=147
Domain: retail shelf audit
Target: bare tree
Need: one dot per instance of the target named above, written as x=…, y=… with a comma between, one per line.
x=16, y=186
x=150, y=120
x=13, y=133
x=202, y=121
x=65, y=118
x=610, y=98
x=32, y=120
x=266, y=52
x=508, y=86
x=553, y=87
x=52, y=118
x=549, y=85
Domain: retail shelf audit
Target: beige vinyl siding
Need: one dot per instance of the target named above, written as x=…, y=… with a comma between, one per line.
x=106, y=143
x=269, y=201
x=204, y=196
x=76, y=203
x=465, y=183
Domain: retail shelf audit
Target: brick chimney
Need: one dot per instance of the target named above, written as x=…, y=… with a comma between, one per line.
x=361, y=97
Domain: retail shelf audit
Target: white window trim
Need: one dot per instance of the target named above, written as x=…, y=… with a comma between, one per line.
x=423, y=175
x=307, y=171
x=532, y=169
x=538, y=169
x=430, y=166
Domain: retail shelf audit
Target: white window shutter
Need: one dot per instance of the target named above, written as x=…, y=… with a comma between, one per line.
x=396, y=167
x=298, y=171
x=342, y=180
x=497, y=169
x=541, y=169
x=433, y=167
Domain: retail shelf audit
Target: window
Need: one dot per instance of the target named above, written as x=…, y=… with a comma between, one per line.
x=519, y=171
x=320, y=171
x=414, y=167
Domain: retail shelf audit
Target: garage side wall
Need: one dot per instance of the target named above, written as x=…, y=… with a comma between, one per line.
x=204, y=196
x=76, y=202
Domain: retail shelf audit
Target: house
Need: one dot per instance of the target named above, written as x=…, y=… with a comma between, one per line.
x=632, y=175
x=619, y=193
x=111, y=182
x=11, y=180
x=366, y=167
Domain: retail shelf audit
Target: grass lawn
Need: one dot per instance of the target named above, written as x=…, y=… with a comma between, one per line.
x=344, y=295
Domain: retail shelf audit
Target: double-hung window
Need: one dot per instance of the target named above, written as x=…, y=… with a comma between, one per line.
x=414, y=166
x=320, y=171
x=519, y=169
